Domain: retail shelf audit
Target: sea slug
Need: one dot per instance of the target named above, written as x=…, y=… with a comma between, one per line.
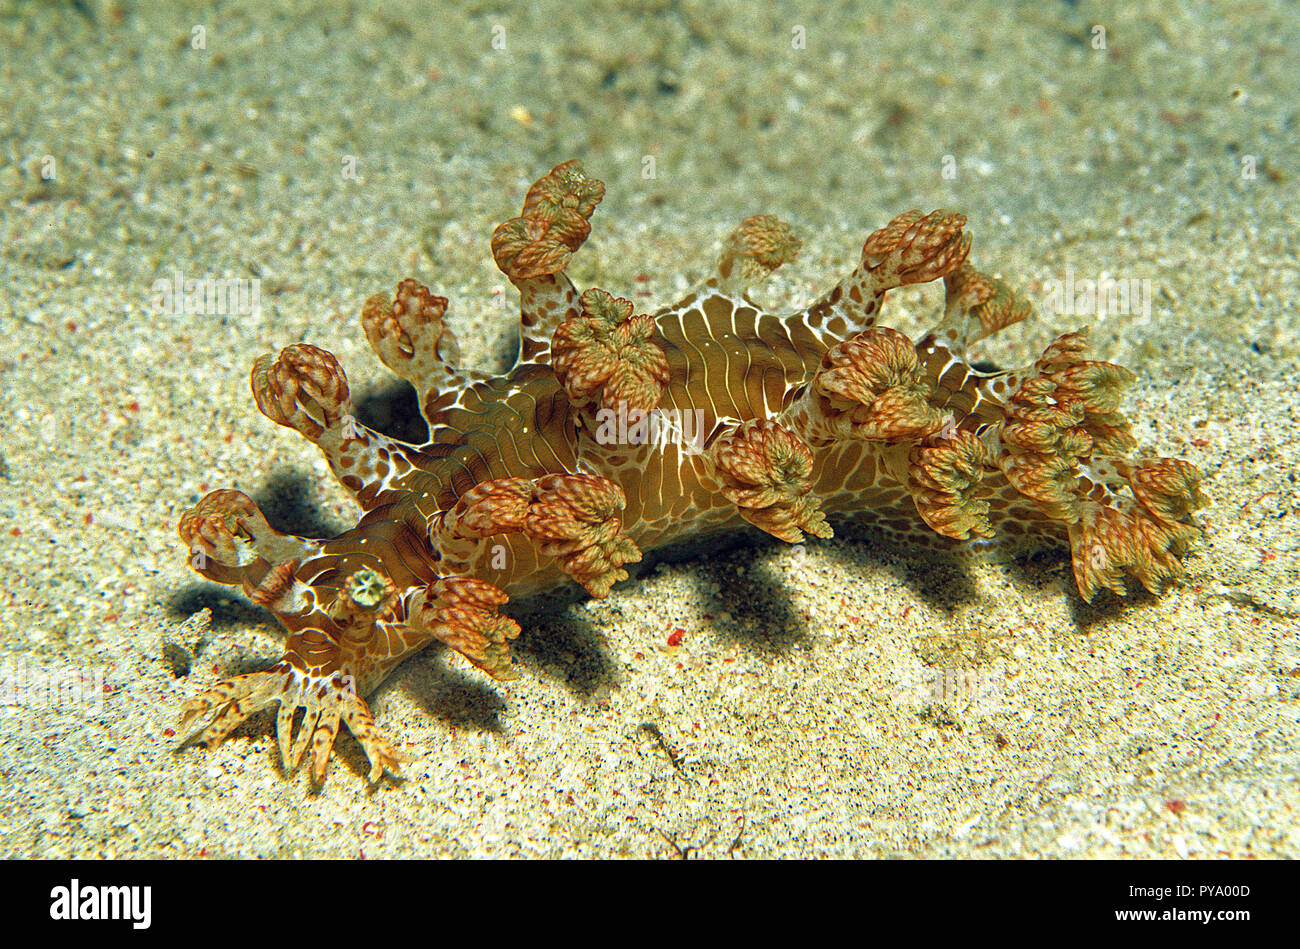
x=617, y=432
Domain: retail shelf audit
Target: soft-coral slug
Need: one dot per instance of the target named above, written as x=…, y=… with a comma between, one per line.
x=525, y=482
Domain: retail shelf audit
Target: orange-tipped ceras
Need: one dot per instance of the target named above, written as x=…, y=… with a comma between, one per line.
x=525, y=483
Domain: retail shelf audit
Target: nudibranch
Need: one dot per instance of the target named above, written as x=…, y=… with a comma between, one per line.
x=617, y=432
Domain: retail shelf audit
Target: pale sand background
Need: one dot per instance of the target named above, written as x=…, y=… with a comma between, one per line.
x=797, y=702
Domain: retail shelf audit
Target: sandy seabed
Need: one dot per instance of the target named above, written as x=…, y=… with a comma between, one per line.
x=838, y=698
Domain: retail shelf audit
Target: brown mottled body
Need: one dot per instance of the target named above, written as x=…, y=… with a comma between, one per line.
x=616, y=433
